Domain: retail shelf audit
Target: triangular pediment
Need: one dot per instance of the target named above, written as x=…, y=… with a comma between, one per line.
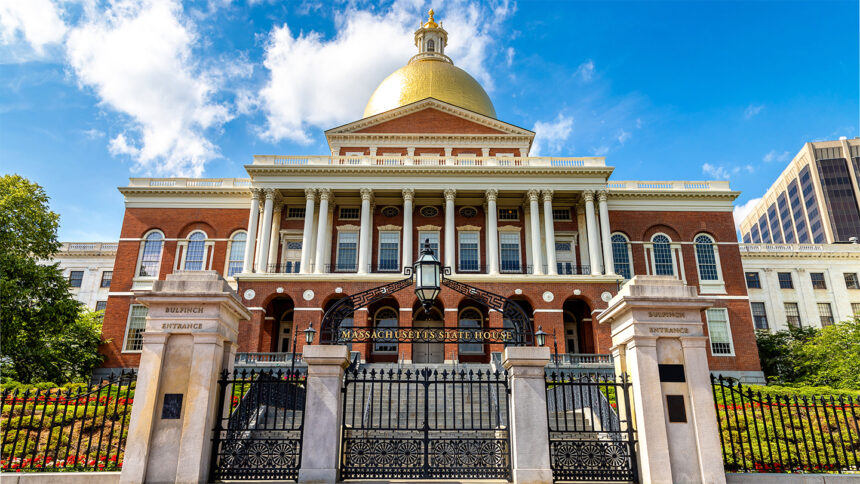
x=430, y=116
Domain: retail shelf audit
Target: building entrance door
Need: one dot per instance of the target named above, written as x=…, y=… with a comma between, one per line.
x=292, y=257
x=428, y=352
x=286, y=331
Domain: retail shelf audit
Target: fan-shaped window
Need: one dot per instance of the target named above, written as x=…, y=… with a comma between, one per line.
x=431, y=46
x=385, y=319
x=663, y=264
x=236, y=261
x=705, y=258
x=621, y=255
x=195, y=251
x=151, y=257
x=471, y=318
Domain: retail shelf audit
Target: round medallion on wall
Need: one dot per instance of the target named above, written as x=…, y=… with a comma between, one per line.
x=338, y=290
x=249, y=294
x=308, y=295
x=606, y=296
x=548, y=296
x=518, y=291
x=390, y=211
x=429, y=211
x=280, y=290
x=468, y=212
x=577, y=292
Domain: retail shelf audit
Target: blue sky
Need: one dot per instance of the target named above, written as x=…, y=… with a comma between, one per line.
x=94, y=92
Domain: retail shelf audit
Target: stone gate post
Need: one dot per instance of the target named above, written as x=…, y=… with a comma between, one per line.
x=658, y=340
x=190, y=336
x=323, y=413
x=529, y=425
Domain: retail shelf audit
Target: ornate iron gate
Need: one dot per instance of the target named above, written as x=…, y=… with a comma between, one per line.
x=425, y=424
x=591, y=436
x=258, y=435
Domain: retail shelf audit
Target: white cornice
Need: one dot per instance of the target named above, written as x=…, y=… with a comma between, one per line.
x=256, y=170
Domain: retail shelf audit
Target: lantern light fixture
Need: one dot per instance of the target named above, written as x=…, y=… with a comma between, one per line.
x=428, y=271
x=540, y=336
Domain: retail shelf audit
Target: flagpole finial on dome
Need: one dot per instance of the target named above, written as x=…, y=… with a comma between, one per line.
x=430, y=24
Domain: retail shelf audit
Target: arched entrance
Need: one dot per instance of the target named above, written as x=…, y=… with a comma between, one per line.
x=428, y=352
x=280, y=329
x=578, y=333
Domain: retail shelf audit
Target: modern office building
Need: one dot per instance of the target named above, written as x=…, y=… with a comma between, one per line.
x=89, y=269
x=430, y=162
x=815, y=200
x=801, y=285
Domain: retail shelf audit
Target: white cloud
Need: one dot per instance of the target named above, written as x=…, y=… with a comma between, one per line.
x=37, y=23
x=752, y=110
x=622, y=136
x=551, y=134
x=774, y=155
x=741, y=211
x=509, y=56
x=321, y=82
x=718, y=172
x=585, y=70
x=137, y=58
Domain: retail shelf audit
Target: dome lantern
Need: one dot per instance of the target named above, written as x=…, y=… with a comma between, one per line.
x=431, y=40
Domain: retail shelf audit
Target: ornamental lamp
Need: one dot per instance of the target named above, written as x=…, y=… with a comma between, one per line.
x=310, y=333
x=540, y=336
x=427, y=277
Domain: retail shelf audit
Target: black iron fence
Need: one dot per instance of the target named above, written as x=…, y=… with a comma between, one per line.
x=591, y=436
x=258, y=435
x=426, y=424
x=63, y=429
x=776, y=433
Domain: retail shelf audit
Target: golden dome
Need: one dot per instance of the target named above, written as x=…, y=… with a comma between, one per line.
x=430, y=77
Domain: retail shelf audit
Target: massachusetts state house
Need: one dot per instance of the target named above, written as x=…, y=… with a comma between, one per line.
x=430, y=162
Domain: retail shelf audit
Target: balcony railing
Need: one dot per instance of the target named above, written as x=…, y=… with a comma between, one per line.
x=251, y=360
x=88, y=247
x=582, y=360
x=470, y=161
x=562, y=268
x=758, y=248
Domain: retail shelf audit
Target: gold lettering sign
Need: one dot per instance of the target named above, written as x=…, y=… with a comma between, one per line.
x=439, y=335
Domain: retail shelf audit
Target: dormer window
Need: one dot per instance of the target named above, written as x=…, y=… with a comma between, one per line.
x=431, y=46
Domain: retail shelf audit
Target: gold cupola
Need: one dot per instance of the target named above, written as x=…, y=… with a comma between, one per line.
x=430, y=73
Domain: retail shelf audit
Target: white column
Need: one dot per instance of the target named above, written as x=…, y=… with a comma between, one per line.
x=591, y=226
x=527, y=227
x=537, y=259
x=493, y=231
x=364, y=238
x=263, y=256
x=608, y=262
x=275, y=239
x=322, y=231
x=450, y=258
x=310, y=196
x=408, y=196
x=251, y=241
x=549, y=227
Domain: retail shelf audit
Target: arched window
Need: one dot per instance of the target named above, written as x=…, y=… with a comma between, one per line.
x=663, y=264
x=705, y=258
x=151, y=257
x=236, y=260
x=386, y=318
x=471, y=318
x=195, y=251
x=621, y=255
x=431, y=46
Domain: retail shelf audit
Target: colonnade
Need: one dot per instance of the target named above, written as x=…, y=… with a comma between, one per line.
x=316, y=234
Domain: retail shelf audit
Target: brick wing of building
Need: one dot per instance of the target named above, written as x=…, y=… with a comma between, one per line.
x=430, y=163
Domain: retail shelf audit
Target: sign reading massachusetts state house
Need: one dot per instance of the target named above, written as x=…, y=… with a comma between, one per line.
x=426, y=335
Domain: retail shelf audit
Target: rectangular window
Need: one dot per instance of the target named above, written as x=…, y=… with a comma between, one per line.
x=826, y=314
x=101, y=305
x=785, y=281
x=719, y=332
x=106, y=278
x=349, y=213
x=347, y=252
x=753, y=281
x=76, y=278
x=134, y=330
x=509, y=251
x=759, y=315
x=295, y=212
x=792, y=315
x=818, y=280
x=469, y=256
x=851, y=280
x=389, y=251
x=855, y=308
x=561, y=214
x=564, y=258
x=433, y=238
x=509, y=214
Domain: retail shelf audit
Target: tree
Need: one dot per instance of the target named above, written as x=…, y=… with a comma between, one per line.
x=39, y=318
x=778, y=352
x=832, y=357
